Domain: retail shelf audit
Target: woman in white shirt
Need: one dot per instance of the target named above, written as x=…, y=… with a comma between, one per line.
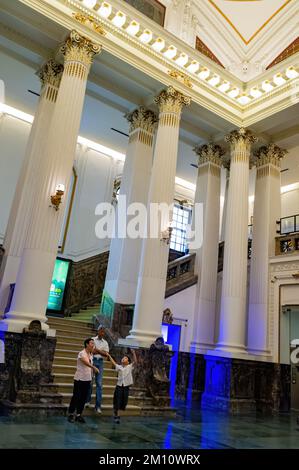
x=124, y=381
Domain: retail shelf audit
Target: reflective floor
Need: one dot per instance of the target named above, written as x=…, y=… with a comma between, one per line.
x=191, y=429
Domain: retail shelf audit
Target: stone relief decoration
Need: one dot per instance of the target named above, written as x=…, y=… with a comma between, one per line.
x=167, y=316
x=150, y=8
x=89, y=21
x=159, y=363
x=201, y=47
x=180, y=77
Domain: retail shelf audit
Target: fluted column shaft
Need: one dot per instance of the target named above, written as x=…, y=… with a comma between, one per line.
x=207, y=194
x=232, y=330
x=19, y=218
x=267, y=210
x=124, y=257
x=154, y=257
x=224, y=210
x=36, y=268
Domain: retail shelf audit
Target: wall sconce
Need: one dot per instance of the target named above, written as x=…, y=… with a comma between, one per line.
x=56, y=199
x=166, y=235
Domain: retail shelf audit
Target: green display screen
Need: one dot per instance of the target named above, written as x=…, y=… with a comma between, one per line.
x=58, y=285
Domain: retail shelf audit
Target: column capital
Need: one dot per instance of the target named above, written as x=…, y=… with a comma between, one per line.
x=209, y=153
x=171, y=101
x=80, y=49
x=50, y=73
x=269, y=154
x=241, y=136
x=142, y=118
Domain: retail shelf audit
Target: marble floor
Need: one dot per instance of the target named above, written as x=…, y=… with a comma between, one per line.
x=191, y=429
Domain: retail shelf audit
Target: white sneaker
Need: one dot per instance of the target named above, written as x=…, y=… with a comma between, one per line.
x=99, y=411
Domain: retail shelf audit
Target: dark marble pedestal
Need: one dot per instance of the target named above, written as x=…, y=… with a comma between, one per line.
x=243, y=386
x=26, y=382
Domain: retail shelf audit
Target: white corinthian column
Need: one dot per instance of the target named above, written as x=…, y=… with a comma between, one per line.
x=208, y=194
x=36, y=268
x=267, y=210
x=124, y=257
x=50, y=75
x=232, y=328
x=154, y=258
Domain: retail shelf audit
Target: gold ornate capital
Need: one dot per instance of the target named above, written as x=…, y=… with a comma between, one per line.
x=50, y=73
x=209, y=153
x=240, y=142
x=80, y=49
x=269, y=155
x=171, y=101
x=241, y=136
x=142, y=118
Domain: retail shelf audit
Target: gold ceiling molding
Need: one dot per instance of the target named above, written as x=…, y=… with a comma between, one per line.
x=181, y=77
x=235, y=28
x=89, y=21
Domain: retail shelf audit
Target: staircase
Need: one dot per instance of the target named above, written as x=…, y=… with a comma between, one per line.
x=86, y=314
x=70, y=336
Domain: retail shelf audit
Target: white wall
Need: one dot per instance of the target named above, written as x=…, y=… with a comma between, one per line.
x=290, y=203
x=13, y=138
x=96, y=173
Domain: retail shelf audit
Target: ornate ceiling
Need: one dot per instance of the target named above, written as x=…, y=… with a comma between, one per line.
x=248, y=18
x=245, y=35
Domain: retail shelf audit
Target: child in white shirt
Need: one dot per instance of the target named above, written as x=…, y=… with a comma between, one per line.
x=124, y=381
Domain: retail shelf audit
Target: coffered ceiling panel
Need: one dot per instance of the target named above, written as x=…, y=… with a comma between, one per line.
x=249, y=17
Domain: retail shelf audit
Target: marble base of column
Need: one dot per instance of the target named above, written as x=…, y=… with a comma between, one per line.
x=24, y=307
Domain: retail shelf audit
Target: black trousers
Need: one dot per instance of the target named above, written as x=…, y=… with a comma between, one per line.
x=80, y=395
x=120, y=398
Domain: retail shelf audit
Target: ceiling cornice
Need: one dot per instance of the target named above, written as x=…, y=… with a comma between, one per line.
x=131, y=50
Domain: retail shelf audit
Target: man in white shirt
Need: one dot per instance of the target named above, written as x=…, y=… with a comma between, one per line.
x=101, y=350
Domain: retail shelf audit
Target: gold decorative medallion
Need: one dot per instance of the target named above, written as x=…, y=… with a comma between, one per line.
x=181, y=77
x=89, y=21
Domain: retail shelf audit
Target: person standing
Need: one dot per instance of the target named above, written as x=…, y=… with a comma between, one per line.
x=124, y=381
x=82, y=381
x=101, y=350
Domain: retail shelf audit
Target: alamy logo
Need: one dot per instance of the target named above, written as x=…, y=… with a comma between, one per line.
x=139, y=221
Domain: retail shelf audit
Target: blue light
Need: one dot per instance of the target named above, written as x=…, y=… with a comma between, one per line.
x=173, y=334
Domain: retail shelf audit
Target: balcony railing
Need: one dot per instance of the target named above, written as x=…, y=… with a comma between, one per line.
x=288, y=224
x=180, y=274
